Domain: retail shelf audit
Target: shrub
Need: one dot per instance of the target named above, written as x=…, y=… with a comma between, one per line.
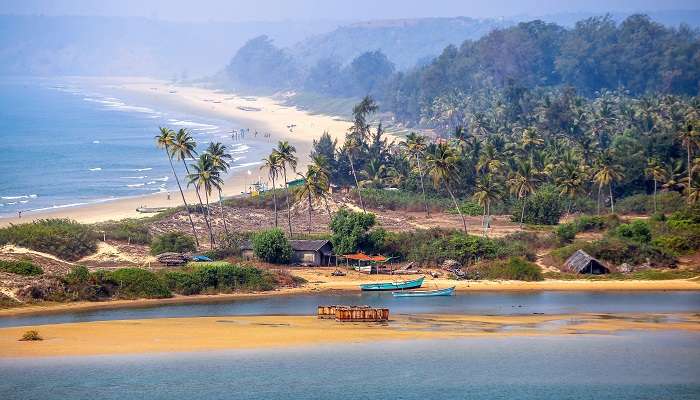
x=673, y=244
x=229, y=245
x=131, y=230
x=566, y=232
x=544, y=207
x=30, y=336
x=173, y=242
x=272, y=246
x=637, y=231
x=350, y=231
x=63, y=238
x=399, y=200
x=26, y=268
x=136, y=282
x=514, y=268
x=218, y=277
x=468, y=208
x=666, y=202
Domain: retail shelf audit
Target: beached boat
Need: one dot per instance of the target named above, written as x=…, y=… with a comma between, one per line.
x=425, y=293
x=414, y=284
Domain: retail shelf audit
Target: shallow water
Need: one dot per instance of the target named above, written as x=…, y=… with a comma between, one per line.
x=630, y=366
x=483, y=303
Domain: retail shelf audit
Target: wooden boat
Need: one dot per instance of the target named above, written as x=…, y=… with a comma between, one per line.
x=414, y=284
x=425, y=293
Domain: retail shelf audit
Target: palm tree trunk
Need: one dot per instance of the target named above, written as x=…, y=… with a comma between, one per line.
x=189, y=214
x=357, y=184
x=211, y=232
x=483, y=217
x=568, y=206
x=309, y=228
x=328, y=209
x=223, y=215
x=454, y=200
x=522, y=212
x=612, y=201
x=199, y=197
x=598, y=201
x=274, y=199
x=690, y=182
x=488, y=218
x=655, y=210
x=289, y=209
x=425, y=200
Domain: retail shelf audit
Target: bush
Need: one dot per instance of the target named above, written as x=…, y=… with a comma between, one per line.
x=138, y=283
x=63, y=238
x=30, y=336
x=218, y=277
x=173, y=242
x=128, y=230
x=26, y=268
x=514, y=268
x=272, y=246
x=468, y=208
x=637, y=231
x=566, y=233
x=350, y=231
x=673, y=244
x=400, y=200
x=229, y=245
x=666, y=202
x=544, y=207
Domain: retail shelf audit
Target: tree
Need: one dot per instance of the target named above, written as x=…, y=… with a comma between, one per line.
x=285, y=152
x=165, y=140
x=442, y=167
x=207, y=178
x=689, y=137
x=415, y=146
x=271, y=246
x=523, y=181
x=315, y=186
x=607, y=173
x=656, y=172
x=220, y=161
x=351, y=231
x=351, y=146
x=273, y=164
x=486, y=192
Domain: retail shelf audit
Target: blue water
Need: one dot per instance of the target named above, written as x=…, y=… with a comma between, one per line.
x=70, y=143
x=482, y=303
x=628, y=366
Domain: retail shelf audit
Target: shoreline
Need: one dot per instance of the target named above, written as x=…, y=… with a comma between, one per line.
x=176, y=335
x=270, y=116
x=675, y=285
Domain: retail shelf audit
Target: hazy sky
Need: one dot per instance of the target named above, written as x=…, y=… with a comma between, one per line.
x=251, y=10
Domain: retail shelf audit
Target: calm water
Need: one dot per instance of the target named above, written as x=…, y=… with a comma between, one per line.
x=638, y=366
x=71, y=143
x=472, y=303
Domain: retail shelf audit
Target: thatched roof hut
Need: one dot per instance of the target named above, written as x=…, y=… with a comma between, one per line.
x=172, y=259
x=583, y=263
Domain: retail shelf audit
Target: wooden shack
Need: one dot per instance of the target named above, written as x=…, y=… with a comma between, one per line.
x=306, y=252
x=582, y=263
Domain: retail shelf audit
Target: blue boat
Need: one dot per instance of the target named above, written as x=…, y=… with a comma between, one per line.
x=414, y=284
x=426, y=293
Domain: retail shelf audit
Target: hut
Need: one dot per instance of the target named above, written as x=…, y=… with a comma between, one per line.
x=172, y=259
x=306, y=252
x=582, y=263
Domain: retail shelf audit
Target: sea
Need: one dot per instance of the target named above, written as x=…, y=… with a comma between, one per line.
x=71, y=142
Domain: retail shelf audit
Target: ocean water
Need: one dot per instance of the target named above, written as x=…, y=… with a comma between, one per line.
x=627, y=366
x=482, y=303
x=71, y=143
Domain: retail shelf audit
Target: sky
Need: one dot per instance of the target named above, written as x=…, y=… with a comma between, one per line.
x=281, y=10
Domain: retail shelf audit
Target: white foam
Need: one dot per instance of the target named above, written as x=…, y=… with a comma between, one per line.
x=195, y=126
x=96, y=141
x=163, y=179
x=151, y=183
x=136, y=185
x=134, y=177
x=27, y=196
x=141, y=169
x=96, y=169
x=246, y=164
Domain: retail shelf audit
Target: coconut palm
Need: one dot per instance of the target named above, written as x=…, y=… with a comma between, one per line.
x=220, y=159
x=487, y=191
x=165, y=140
x=571, y=182
x=607, y=173
x=323, y=176
x=207, y=178
x=351, y=146
x=689, y=137
x=315, y=186
x=286, y=156
x=273, y=164
x=523, y=182
x=442, y=167
x=374, y=173
x=655, y=171
x=415, y=148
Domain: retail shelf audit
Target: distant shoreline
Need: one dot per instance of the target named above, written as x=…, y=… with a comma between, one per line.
x=271, y=117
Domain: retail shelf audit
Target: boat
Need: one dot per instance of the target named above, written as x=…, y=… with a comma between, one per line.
x=425, y=293
x=414, y=284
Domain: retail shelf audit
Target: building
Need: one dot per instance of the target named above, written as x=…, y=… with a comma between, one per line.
x=306, y=252
x=582, y=263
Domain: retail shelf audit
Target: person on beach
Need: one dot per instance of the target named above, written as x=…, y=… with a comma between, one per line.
x=19, y=214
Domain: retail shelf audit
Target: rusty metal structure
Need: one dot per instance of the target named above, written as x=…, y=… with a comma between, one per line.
x=353, y=313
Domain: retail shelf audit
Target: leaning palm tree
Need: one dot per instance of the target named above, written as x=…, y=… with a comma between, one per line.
x=165, y=140
x=415, y=148
x=352, y=145
x=273, y=164
x=323, y=177
x=523, y=182
x=315, y=187
x=608, y=173
x=286, y=155
x=185, y=148
x=207, y=178
x=487, y=191
x=220, y=159
x=655, y=171
x=442, y=167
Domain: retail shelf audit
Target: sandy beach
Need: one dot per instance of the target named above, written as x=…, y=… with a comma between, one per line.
x=219, y=333
x=262, y=113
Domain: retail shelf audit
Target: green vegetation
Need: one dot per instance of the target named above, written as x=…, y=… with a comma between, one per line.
x=403, y=200
x=351, y=232
x=667, y=202
x=514, y=268
x=647, y=275
x=218, y=277
x=63, y=238
x=567, y=232
x=229, y=245
x=272, y=246
x=173, y=242
x=31, y=336
x=130, y=230
x=21, y=267
x=544, y=207
x=136, y=282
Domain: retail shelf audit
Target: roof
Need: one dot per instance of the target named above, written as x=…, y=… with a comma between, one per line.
x=297, y=245
x=580, y=260
x=364, y=257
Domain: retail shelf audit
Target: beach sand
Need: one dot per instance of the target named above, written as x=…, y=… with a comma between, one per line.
x=220, y=333
x=270, y=116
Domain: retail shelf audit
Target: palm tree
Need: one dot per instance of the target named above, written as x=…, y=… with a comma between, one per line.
x=286, y=156
x=273, y=164
x=442, y=167
x=523, y=182
x=657, y=173
x=352, y=145
x=689, y=137
x=323, y=178
x=487, y=191
x=206, y=177
x=184, y=148
x=607, y=173
x=375, y=172
x=415, y=148
x=165, y=140
x=220, y=160
x=315, y=186
x=571, y=182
